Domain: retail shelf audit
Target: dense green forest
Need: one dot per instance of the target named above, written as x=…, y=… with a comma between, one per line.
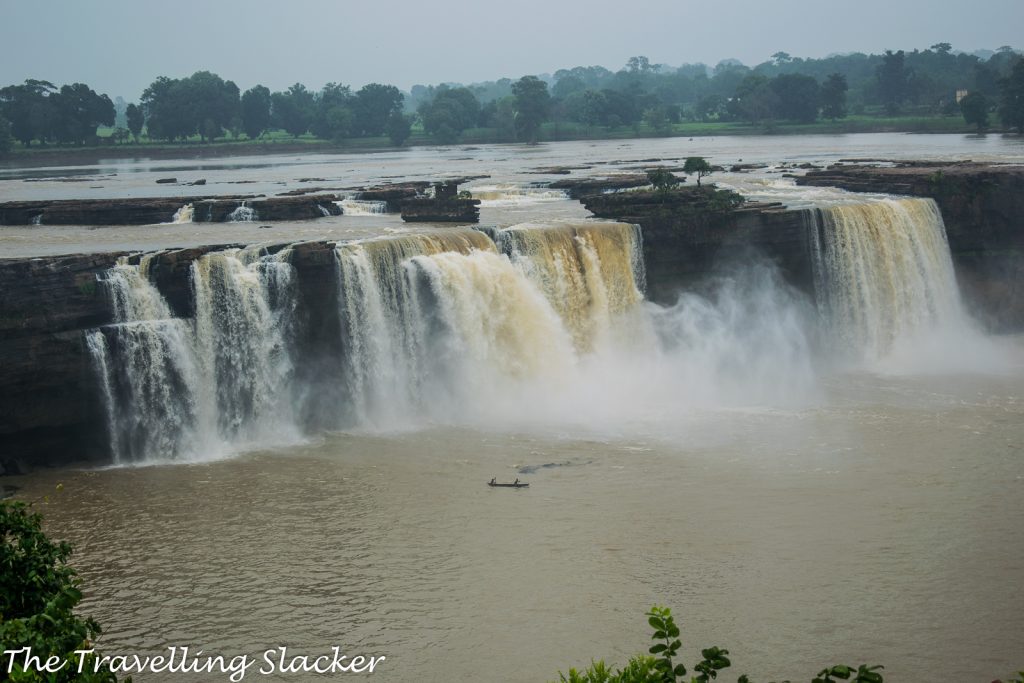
x=937, y=89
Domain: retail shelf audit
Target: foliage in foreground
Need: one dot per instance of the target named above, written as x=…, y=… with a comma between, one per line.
x=662, y=665
x=38, y=594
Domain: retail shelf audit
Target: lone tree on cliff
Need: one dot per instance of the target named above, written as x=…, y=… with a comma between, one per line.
x=531, y=106
x=663, y=179
x=698, y=165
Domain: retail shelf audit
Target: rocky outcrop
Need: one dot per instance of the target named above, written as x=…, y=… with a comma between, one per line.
x=692, y=233
x=981, y=205
x=150, y=211
x=90, y=211
x=51, y=408
x=426, y=210
x=577, y=188
x=170, y=272
x=394, y=194
x=49, y=405
x=295, y=208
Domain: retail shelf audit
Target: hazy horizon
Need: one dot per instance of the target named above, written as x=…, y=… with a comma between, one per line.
x=119, y=48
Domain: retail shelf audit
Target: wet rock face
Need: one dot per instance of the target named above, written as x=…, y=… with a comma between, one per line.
x=49, y=401
x=577, y=188
x=441, y=210
x=688, y=236
x=981, y=205
x=90, y=211
x=51, y=407
x=394, y=194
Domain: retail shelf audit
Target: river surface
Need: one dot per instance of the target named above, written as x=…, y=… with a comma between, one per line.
x=798, y=511
x=507, y=167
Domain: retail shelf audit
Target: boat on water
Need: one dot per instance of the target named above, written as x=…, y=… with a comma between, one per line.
x=514, y=485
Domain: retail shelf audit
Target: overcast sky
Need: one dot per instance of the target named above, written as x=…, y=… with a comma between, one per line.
x=120, y=46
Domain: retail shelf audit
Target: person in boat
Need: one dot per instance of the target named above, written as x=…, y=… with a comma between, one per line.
x=493, y=481
x=517, y=482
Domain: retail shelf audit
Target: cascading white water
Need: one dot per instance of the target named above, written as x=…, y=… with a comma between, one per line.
x=245, y=304
x=184, y=214
x=590, y=272
x=37, y=220
x=147, y=370
x=243, y=214
x=885, y=281
x=181, y=389
x=362, y=207
x=324, y=211
x=383, y=327
x=541, y=325
x=511, y=195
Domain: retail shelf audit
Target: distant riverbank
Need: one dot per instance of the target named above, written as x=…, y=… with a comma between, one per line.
x=279, y=143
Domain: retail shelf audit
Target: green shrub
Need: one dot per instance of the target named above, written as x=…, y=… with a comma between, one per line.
x=38, y=594
x=662, y=179
x=662, y=665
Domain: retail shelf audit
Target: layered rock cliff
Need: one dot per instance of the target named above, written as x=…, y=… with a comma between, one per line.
x=149, y=211
x=51, y=409
x=690, y=233
x=48, y=403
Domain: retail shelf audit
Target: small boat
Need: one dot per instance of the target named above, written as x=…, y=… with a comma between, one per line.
x=516, y=485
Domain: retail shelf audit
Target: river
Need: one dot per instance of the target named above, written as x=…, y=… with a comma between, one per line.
x=797, y=506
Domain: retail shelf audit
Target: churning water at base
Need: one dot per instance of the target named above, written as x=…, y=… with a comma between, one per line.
x=184, y=214
x=243, y=214
x=886, y=285
x=362, y=207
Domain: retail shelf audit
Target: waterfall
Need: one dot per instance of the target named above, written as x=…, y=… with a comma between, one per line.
x=432, y=321
x=531, y=324
x=384, y=328
x=37, y=219
x=147, y=370
x=884, y=276
x=185, y=389
x=324, y=211
x=361, y=207
x=183, y=215
x=245, y=304
x=243, y=214
x=590, y=272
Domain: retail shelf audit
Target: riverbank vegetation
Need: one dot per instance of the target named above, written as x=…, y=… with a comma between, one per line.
x=934, y=90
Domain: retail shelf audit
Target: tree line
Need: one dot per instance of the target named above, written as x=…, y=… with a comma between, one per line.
x=38, y=110
x=928, y=82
